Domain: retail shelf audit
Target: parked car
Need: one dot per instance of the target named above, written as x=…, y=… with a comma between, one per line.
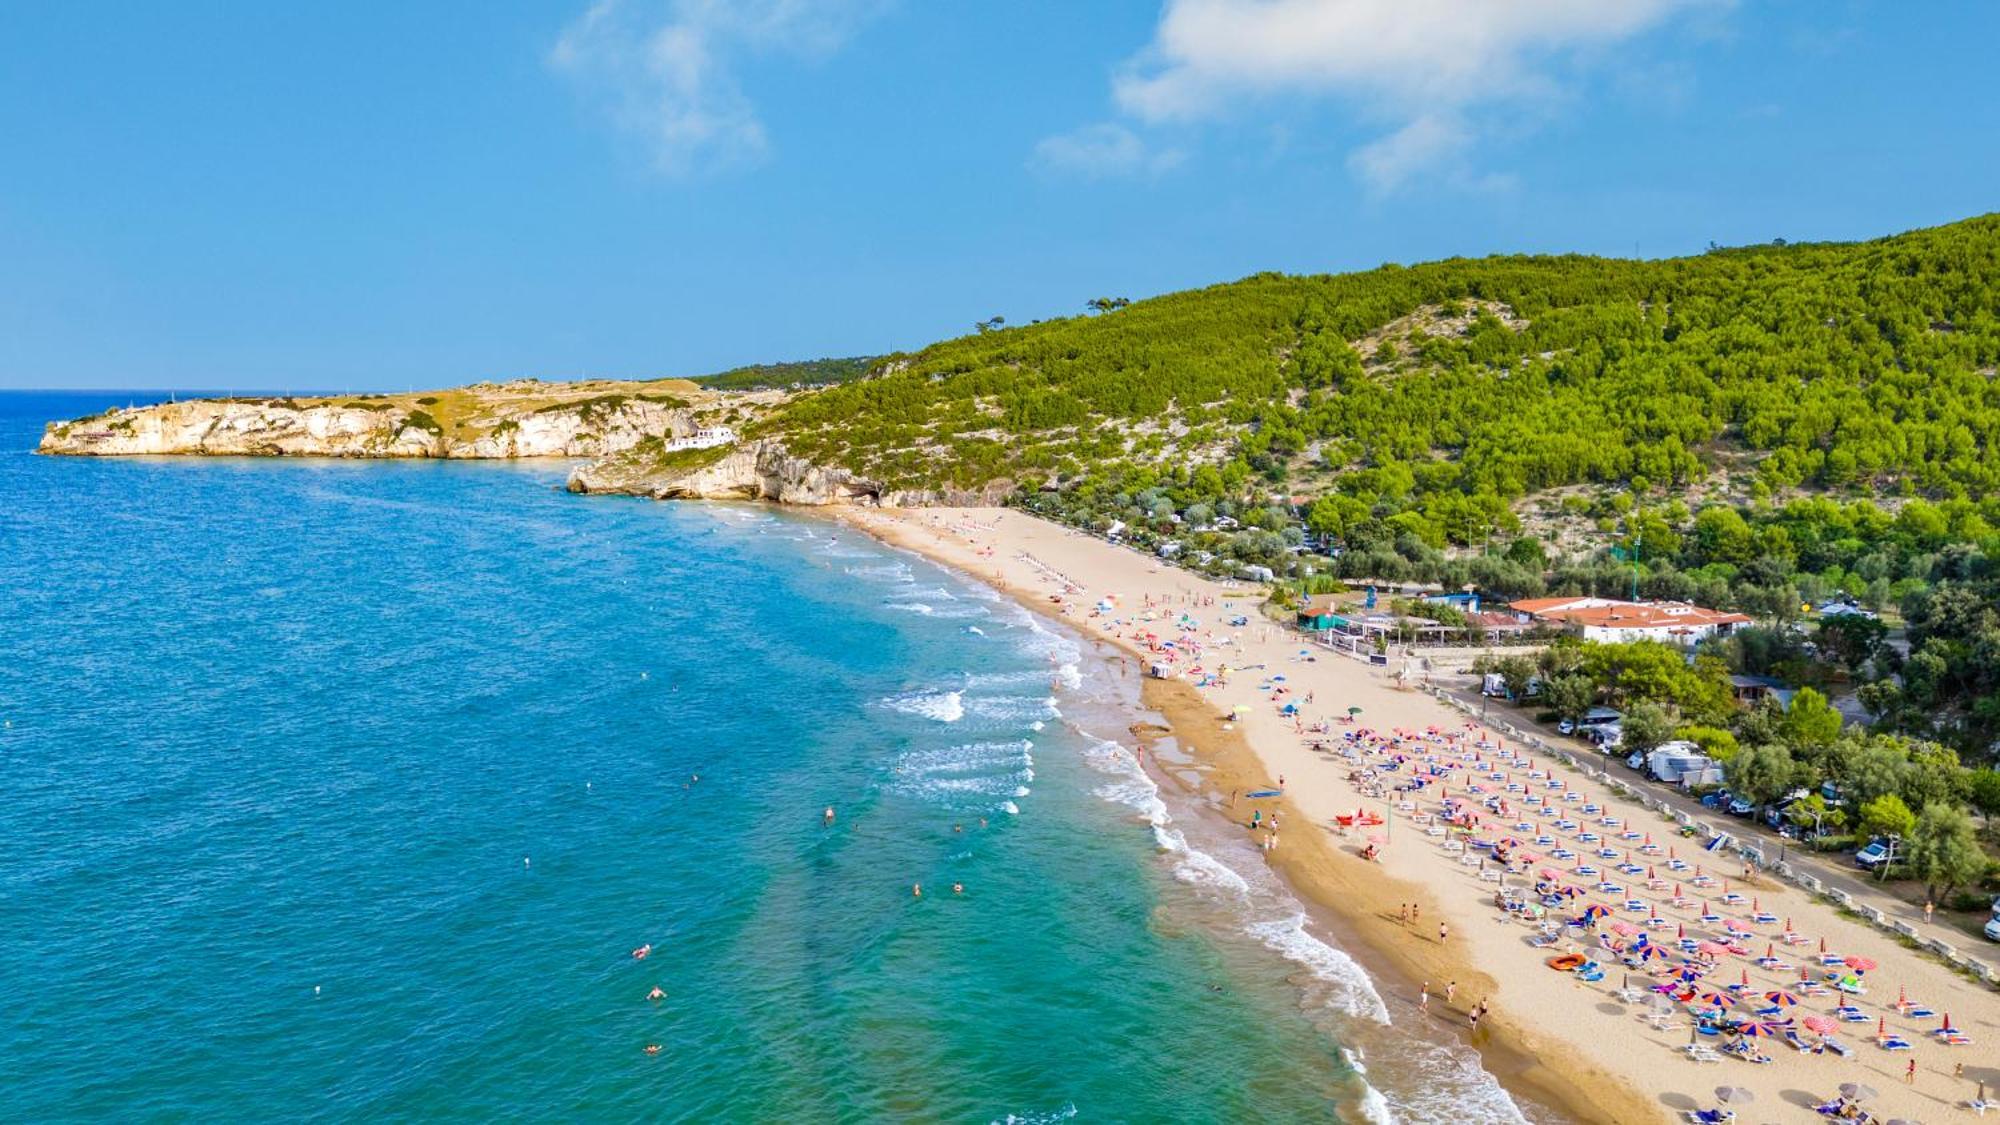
x=1993, y=928
x=1239, y=621
x=1873, y=856
x=1605, y=738
x=1636, y=760
x=1716, y=799
x=1740, y=806
x=1595, y=717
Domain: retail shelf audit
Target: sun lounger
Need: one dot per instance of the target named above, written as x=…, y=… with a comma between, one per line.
x=1764, y=918
x=1433, y=830
x=1711, y=1116
x=1490, y=875
x=1981, y=1105
x=1837, y=1047
x=1850, y=1014
x=1700, y=1053
x=1919, y=1012
x=1893, y=1043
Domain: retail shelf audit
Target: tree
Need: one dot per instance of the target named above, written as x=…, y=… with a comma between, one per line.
x=1570, y=696
x=1646, y=725
x=1763, y=773
x=1810, y=721
x=1813, y=812
x=1851, y=638
x=1944, y=851
x=1887, y=815
x=1516, y=671
x=1982, y=789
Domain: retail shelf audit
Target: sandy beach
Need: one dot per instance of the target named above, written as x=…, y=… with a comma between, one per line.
x=1573, y=1044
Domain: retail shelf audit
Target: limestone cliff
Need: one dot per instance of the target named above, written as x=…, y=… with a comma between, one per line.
x=521, y=419
x=625, y=428
x=754, y=470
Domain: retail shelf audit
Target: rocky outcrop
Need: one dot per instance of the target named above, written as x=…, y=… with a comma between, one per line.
x=625, y=430
x=757, y=470
x=289, y=428
x=754, y=470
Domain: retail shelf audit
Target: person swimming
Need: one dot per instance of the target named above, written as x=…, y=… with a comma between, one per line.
x=916, y=890
x=652, y=1048
x=657, y=994
x=639, y=954
x=826, y=818
x=958, y=888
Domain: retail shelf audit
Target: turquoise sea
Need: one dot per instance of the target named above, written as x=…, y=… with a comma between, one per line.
x=345, y=791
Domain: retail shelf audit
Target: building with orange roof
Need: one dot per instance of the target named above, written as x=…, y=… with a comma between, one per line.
x=1612, y=620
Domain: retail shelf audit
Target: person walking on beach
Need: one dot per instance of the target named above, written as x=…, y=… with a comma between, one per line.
x=1450, y=987
x=1402, y=914
x=1910, y=1073
x=1929, y=907
x=1442, y=933
x=1424, y=998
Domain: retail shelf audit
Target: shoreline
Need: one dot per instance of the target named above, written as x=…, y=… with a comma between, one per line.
x=1560, y=1041
x=1353, y=909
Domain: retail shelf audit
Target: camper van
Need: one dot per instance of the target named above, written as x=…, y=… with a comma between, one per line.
x=1683, y=764
x=1595, y=717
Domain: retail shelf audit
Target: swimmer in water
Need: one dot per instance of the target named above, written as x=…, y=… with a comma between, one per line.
x=958, y=888
x=916, y=890
x=982, y=822
x=639, y=954
x=826, y=818
x=656, y=994
x=958, y=828
x=652, y=1048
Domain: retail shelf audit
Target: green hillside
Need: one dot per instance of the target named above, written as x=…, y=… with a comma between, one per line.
x=779, y=376
x=1754, y=428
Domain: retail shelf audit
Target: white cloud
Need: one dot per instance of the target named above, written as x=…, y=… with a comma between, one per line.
x=1420, y=67
x=662, y=68
x=1098, y=151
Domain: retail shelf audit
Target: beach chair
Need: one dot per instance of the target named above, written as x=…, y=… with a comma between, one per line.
x=1764, y=918
x=1979, y=1106
x=1848, y=1013
x=1490, y=875
x=1434, y=830
x=1711, y=1116
x=1677, y=864
x=1837, y=1047
x=1702, y=1053
x=1798, y=1044
x=1893, y=1043
x=1919, y=1012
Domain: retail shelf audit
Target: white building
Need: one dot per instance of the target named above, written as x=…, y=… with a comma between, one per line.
x=704, y=439
x=1608, y=619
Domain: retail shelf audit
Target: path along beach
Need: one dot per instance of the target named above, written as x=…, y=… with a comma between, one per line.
x=1680, y=946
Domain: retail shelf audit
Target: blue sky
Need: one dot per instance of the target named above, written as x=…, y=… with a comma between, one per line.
x=246, y=195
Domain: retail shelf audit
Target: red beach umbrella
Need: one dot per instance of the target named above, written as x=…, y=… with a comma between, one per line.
x=1946, y=1025
x=1681, y=931
x=1859, y=964
x=1881, y=1026
x=1822, y=945
x=1823, y=1025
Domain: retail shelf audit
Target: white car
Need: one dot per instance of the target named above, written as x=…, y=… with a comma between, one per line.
x=1993, y=928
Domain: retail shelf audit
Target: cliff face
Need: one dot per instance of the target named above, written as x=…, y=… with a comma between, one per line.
x=625, y=427
x=756, y=470
x=281, y=427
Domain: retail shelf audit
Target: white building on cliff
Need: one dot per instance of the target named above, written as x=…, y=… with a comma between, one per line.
x=704, y=439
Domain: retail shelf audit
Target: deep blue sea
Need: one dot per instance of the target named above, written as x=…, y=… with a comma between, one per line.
x=345, y=791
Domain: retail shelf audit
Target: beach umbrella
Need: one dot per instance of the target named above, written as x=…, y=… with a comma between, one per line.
x=1718, y=999
x=1946, y=1025
x=1745, y=982
x=1788, y=925
x=1760, y=1029
x=1650, y=953
x=1734, y=1095
x=1353, y=711
x=1624, y=929
x=1596, y=910
x=1681, y=931
x=1856, y=1092
x=1768, y=950
x=1823, y=1025
x=1711, y=949
x=1859, y=964
x=1822, y=945
x=1781, y=998
x=1550, y=873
